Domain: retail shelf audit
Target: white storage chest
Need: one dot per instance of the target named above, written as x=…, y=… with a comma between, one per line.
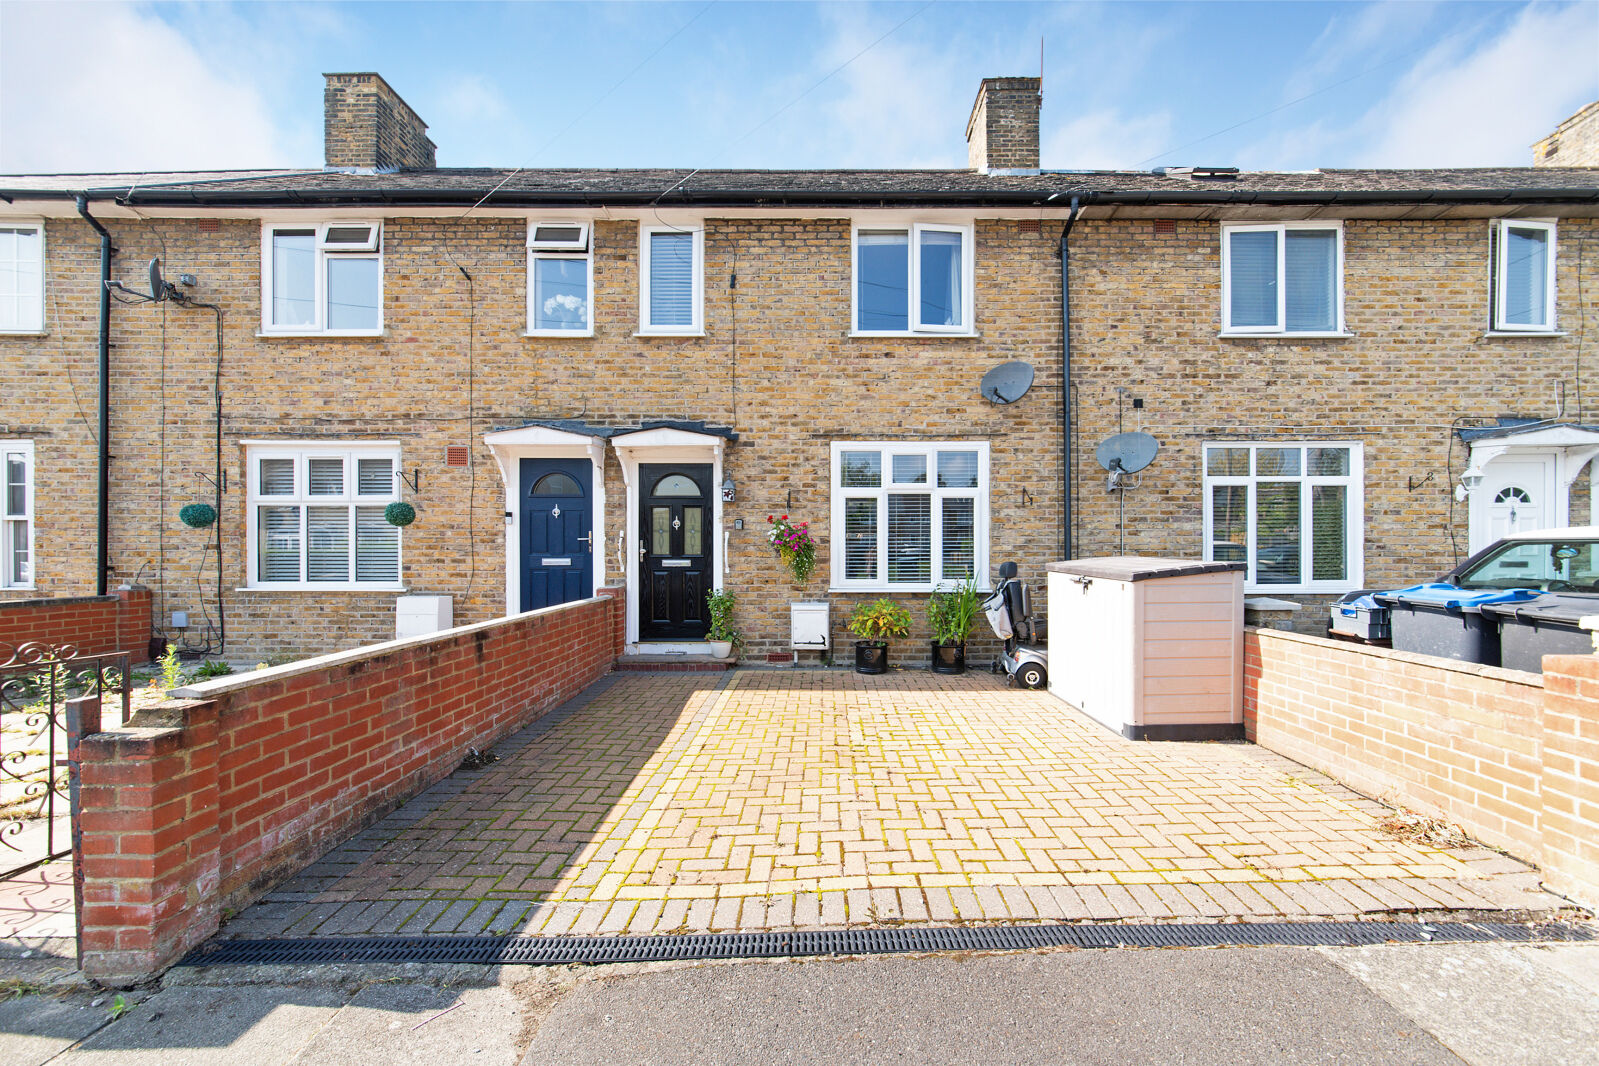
x=416, y=616
x=1152, y=648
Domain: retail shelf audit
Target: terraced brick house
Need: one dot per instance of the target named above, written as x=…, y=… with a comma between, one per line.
x=592, y=378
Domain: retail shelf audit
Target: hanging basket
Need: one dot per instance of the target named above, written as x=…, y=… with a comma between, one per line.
x=198, y=515
x=399, y=514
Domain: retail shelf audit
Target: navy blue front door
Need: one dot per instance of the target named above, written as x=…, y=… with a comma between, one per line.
x=557, y=531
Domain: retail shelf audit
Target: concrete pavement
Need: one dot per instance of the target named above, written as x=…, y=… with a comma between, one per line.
x=1485, y=1005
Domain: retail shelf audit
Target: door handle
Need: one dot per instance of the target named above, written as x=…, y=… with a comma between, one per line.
x=588, y=539
x=641, y=551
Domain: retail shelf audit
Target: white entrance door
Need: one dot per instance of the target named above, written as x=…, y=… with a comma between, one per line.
x=1516, y=496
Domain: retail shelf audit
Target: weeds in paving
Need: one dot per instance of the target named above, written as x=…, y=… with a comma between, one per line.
x=1415, y=828
x=119, y=1002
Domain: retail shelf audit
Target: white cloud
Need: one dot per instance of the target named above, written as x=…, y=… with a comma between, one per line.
x=1485, y=105
x=111, y=86
x=1106, y=140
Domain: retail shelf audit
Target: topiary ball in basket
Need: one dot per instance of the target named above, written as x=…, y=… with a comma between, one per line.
x=198, y=515
x=399, y=514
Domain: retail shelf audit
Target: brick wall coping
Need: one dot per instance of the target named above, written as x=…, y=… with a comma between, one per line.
x=206, y=690
x=1435, y=662
x=57, y=601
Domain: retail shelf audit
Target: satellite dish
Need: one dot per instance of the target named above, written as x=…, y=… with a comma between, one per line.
x=1007, y=382
x=158, y=287
x=1127, y=452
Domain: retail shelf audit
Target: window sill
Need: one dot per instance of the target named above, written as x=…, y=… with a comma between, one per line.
x=24, y=333
x=275, y=336
x=1499, y=333
x=658, y=334
x=571, y=334
x=1297, y=590
x=1307, y=336
x=19, y=588
x=322, y=588
x=903, y=334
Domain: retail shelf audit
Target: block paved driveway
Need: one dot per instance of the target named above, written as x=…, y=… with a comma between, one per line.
x=762, y=799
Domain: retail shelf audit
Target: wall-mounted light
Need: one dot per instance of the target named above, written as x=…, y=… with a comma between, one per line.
x=1470, y=478
x=728, y=492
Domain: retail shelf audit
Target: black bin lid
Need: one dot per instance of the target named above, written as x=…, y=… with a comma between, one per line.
x=1556, y=608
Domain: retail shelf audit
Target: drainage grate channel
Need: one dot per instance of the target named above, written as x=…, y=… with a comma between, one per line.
x=559, y=950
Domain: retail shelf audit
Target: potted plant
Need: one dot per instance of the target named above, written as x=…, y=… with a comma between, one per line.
x=721, y=636
x=872, y=623
x=951, y=613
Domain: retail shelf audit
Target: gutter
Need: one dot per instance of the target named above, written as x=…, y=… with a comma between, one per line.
x=1066, y=378
x=103, y=499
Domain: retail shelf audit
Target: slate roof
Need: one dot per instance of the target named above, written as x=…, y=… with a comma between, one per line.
x=592, y=187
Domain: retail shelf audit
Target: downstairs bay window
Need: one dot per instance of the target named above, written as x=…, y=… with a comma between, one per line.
x=1294, y=513
x=316, y=516
x=909, y=516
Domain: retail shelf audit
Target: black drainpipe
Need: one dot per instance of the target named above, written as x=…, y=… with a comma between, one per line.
x=103, y=513
x=1066, y=380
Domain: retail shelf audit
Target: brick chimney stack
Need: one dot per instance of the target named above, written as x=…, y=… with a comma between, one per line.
x=366, y=124
x=1574, y=143
x=1002, y=133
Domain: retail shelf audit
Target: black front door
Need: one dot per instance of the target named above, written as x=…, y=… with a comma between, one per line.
x=557, y=531
x=676, y=557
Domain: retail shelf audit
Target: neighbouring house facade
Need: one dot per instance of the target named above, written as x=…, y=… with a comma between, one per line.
x=591, y=378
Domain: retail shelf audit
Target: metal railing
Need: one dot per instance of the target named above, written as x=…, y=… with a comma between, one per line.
x=37, y=798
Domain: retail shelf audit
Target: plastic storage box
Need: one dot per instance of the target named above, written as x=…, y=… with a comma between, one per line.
x=1359, y=615
x=1531, y=629
x=1447, y=621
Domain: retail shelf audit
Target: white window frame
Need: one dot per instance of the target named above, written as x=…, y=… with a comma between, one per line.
x=1500, y=263
x=36, y=325
x=302, y=452
x=645, y=327
x=318, y=328
x=583, y=249
x=1355, y=517
x=930, y=449
x=1280, y=329
x=913, y=232
x=7, y=545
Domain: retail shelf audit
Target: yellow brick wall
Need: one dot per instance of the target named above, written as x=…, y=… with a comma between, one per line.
x=777, y=364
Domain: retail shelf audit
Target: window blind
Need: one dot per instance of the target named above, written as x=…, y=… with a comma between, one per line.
x=1526, y=279
x=277, y=477
x=1310, y=266
x=374, y=477
x=1252, y=281
x=377, y=546
x=671, y=279
x=960, y=537
x=910, y=537
x=860, y=540
x=327, y=549
x=279, y=543
x=326, y=477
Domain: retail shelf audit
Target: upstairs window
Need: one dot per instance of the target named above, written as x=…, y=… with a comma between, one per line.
x=909, y=516
x=671, y=280
x=1524, y=276
x=16, y=514
x=21, y=277
x=913, y=279
x=1285, y=278
x=560, y=278
x=322, y=278
x=316, y=516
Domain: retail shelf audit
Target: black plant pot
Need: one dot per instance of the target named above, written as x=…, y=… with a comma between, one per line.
x=949, y=658
x=871, y=656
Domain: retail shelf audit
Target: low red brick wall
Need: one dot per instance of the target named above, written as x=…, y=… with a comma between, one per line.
x=1511, y=757
x=94, y=625
x=206, y=802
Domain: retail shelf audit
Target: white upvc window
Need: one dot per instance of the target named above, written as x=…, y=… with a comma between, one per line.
x=21, y=277
x=1524, y=276
x=1294, y=512
x=16, y=514
x=316, y=516
x=1285, y=277
x=671, y=284
x=909, y=516
x=913, y=279
x=560, y=279
x=322, y=278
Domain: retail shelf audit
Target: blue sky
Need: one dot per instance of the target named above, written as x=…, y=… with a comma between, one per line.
x=118, y=86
